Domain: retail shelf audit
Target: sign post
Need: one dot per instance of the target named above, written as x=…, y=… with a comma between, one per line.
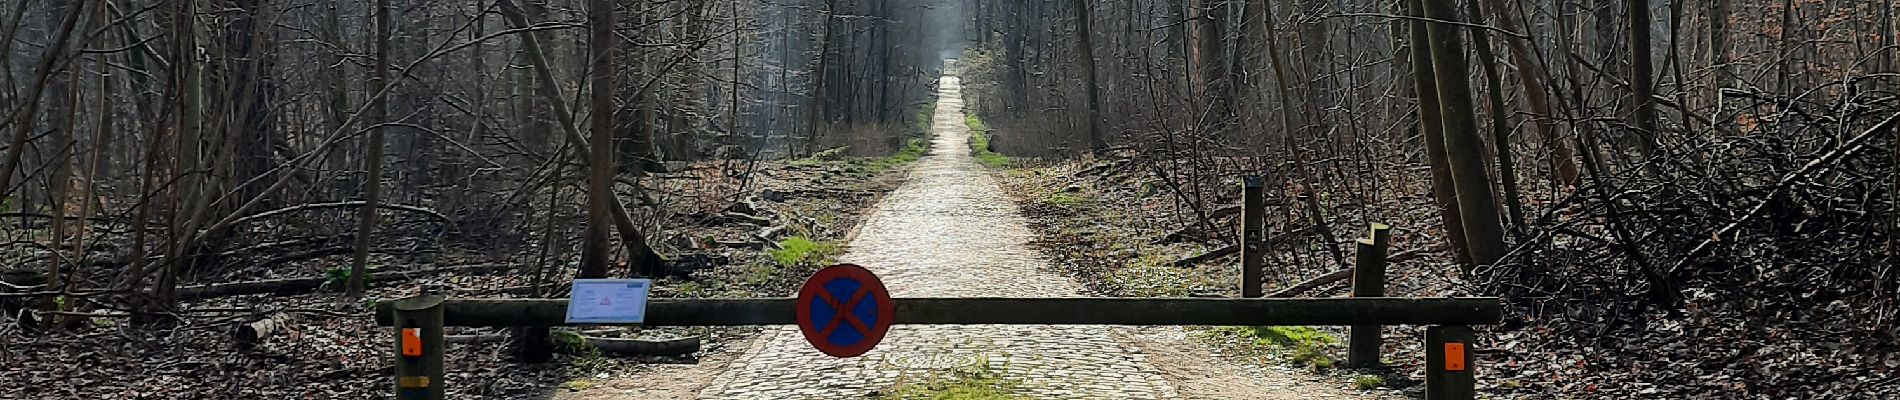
x=844, y=310
x=1252, y=235
x=418, y=322
x=1448, y=374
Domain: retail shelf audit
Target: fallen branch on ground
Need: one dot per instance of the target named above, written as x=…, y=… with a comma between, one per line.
x=743, y=219
x=248, y=336
x=299, y=285
x=345, y=205
x=1336, y=276
x=1216, y=253
x=1314, y=283
x=1234, y=248
x=1825, y=161
x=769, y=236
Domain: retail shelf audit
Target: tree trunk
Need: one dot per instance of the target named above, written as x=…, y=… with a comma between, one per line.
x=1019, y=59
x=1784, y=69
x=1432, y=127
x=1464, y=151
x=1887, y=33
x=1642, y=82
x=691, y=109
x=600, y=173
x=1093, y=92
x=186, y=194
x=372, y=153
x=816, y=118
x=1318, y=87
x=1256, y=32
x=1500, y=126
x=250, y=92
x=1718, y=48
x=1307, y=183
x=337, y=99
x=101, y=139
x=1214, y=64
x=62, y=121
x=644, y=260
x=42, y=76
x=636, y=134
x=1531, y=76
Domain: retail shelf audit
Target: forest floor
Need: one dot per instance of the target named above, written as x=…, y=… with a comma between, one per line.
x=725, y=239
x=1709, y=351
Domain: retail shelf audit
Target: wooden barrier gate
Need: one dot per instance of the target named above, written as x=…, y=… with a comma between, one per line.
x=1449, y=373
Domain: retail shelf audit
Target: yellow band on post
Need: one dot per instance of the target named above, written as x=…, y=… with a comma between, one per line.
x=412, y=382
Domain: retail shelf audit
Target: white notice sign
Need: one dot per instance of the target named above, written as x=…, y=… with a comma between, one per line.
x=608, y=301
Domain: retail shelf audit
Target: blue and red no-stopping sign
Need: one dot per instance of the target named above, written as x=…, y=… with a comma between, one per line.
x=844, y=310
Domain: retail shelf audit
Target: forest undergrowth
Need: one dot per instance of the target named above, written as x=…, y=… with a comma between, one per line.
x=1150, y=254
x=1772, y=322
x=722, y=239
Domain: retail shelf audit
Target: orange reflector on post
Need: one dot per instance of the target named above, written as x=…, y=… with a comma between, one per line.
x=412, y=342
x=1454, y=356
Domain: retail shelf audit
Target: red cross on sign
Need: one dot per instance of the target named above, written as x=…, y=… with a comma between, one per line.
x=844, y=310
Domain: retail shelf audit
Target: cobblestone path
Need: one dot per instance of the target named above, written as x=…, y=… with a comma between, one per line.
x=950, y=232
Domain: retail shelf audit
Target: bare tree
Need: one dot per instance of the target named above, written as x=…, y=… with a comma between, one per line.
x=1500, y=125
x=1531, y=78
x=600, y=173
x=1432, y=126
x=1642, y=80
x=373, y=152
x=1092, y=95
x=1464, y=151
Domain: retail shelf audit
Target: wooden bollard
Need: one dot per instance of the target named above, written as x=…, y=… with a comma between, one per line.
x=1368, y=280
x=1252, y=219
x=1449, y=369
x=419, y=346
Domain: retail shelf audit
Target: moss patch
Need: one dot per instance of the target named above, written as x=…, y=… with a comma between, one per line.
x=1304, y=346
x=1292, y=336
x=926, y=116
x=975, y=123
x=799, y=251
x=1367, y=382
x=578, y=385
x=913, y=150
x=980, y=143
x=977, y=383
x=1066, y=200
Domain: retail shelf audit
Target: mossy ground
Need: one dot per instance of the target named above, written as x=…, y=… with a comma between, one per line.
x=980, y=143
x=913, y=150
x=1299, y=345
x=799, y=251
x=975, y=383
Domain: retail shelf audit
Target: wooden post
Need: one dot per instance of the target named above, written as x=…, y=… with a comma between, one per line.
x=1252, y=217
x=1368, y=280
x=419, y=346
x=1449, y=371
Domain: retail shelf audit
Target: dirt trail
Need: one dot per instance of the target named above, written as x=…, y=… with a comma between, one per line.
x=951, y=232
x=948, y=232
